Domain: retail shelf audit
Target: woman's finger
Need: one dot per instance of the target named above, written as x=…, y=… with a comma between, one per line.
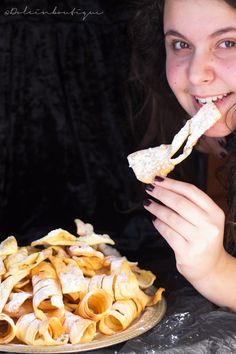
x=173, y=220
x=181, y=205
x=175, y=240
x=189, y=191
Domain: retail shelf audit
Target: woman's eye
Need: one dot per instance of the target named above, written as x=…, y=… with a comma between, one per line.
x=227, y=44
x=177, y=45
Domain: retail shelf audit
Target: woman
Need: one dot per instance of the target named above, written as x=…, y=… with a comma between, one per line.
x=195, y=40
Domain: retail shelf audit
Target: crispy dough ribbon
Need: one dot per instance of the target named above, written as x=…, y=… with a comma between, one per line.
x=70, y=275
x=66, y=291
x=120, y=316
x=18, y=304
x=23, y=260
x=7, y=285
x=80, y=330
x=94, y=305
x=33, y=331
x=7, y=329
x=47, y=294
x=159, y=161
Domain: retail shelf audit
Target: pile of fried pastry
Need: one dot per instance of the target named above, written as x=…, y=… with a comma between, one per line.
x=67, y=289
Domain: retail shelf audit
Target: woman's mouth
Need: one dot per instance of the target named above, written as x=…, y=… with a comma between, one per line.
x=217, y=99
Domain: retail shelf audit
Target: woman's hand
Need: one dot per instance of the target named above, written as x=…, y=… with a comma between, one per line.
x=191, y=223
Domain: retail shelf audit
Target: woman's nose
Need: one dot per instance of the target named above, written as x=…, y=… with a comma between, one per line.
x=201, y=69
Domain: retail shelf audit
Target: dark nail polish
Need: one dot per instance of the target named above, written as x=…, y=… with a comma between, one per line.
x=146, y=202
x=153, y=217
x=159, y=179
x=149, y=187
x=223, y=155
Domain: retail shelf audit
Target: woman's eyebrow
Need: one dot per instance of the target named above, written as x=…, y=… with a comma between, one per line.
x=214, y=34
x=174, y=33
x=223, y=31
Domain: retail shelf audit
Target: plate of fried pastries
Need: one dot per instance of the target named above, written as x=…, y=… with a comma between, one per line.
x=66, y=293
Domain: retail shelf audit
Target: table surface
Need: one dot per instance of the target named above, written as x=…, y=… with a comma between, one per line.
x=191, y=325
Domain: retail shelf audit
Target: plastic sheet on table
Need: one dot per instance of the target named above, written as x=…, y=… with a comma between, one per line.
x=192, y=325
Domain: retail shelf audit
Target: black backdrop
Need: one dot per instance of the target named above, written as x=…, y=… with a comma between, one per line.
x=64, y=127
x=64, y=135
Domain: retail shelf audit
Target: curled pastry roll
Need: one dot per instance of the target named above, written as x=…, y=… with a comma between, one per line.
x=32, y=331
x=107, y=284
x=94, y=305
x=101, y=281
x=47, y=294
x=8, y=284
x=122, y=314
x=18, y=304
x=126, y=286
x=53, y=332
x=95, y=282
x=80, y=330
x=7, y=329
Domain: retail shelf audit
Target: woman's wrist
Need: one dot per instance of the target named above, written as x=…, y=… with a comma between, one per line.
x=219, y=285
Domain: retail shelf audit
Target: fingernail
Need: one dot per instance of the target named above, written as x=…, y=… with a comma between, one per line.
x=153, y=217
x=149, y=187
x=147, y=202
x=223, y=155
x=159, y=179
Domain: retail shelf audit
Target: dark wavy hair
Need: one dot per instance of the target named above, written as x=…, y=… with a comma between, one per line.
x=155, y=111
x=151, y=94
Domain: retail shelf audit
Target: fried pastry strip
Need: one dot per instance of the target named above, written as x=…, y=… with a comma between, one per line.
x=159, y=161
x=33, y=331
x=19, y=304
x=70, y=275
x=47, y=293
x=121, y=315
x=7, y=329
x=94, y=305
x=80, y=330
x=7, y=285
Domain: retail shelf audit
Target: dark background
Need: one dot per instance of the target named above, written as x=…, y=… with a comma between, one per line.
x=65, y=130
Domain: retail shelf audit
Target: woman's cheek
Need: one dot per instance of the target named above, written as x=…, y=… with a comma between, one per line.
x=173, y=74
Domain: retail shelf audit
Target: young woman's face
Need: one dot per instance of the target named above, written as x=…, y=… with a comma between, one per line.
x=200, y=38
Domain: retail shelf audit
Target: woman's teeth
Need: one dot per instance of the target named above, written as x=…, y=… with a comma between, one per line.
x=211, y=99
